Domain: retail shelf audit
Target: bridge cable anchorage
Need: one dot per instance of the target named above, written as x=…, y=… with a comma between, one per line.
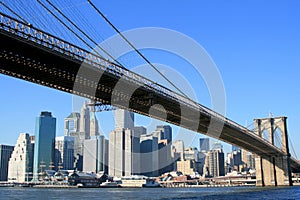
x=63, y=23
x=13, y=12
x=136, y=50
x=86, y=35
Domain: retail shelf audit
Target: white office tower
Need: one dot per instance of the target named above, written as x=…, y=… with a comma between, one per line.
x=124, y=148
x=178, y=150
x=85, y=120
x=95, y=155
x=124, y=119
x=21, y=161
x=94, y=126
x=72, y=124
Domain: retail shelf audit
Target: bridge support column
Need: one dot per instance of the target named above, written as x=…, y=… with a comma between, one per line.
x=274, y=170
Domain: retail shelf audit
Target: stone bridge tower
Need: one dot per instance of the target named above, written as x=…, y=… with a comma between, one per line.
x=273, y=170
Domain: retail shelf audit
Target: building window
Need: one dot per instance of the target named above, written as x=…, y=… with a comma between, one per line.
x=71, y=125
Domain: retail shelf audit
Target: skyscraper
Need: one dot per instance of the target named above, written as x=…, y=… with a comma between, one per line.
x=204, y=144
x=124, y=119
x=21, y=161
x=149, y=155
x=72, y=128
x=178, y=150
x=5, y=153
x=85, y=120
x=163, y=133
x=124, y=153
x=215, y=163
x=64, y=147
x=72, y=124
x=94, y=126
x=95, y=155
x=235, y=148
x=81, y=126
x=45, y=131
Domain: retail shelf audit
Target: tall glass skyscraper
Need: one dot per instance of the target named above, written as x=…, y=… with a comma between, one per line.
x=45, y=131
x=5, y=153
x=204, y=144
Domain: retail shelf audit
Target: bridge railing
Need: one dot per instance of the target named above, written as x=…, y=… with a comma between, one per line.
x=47, y=40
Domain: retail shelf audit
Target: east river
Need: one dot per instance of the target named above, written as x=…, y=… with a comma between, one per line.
x=152, y=193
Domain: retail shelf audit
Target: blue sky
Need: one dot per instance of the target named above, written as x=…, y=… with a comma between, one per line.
x=255, y=45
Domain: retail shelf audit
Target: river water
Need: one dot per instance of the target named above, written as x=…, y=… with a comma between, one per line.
x=152, y=193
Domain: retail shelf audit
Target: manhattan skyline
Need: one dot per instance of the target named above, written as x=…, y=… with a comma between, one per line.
x=255, y=47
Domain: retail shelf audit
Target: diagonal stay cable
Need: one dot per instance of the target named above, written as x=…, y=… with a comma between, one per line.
x=13, y=12
x=63, y=23
x=135, y=49
x=81, y=31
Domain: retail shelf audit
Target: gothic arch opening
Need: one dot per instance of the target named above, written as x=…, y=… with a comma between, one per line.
x=277, y=138
x=265, y=135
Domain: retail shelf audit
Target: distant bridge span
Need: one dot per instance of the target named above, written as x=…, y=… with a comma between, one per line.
x=30, y=54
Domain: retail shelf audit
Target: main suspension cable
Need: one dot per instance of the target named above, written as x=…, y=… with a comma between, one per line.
x=135, y=49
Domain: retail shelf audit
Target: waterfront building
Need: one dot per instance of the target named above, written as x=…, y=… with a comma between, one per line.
x=95, y=155
x=214, y=163
x=149, y=155
x=44, y=149
x=21, y=161
x=204, y=144
x=193, y=162
x=247, y=159
x=64, y=147
x=124, y=153
x=186, y=167
x=84, y=179
x=5, y=153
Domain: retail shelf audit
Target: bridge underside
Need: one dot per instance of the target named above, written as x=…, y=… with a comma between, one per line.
x=26, y=60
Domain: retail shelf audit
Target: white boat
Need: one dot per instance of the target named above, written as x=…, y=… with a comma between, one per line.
x=109, y=184
x=133, y=181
